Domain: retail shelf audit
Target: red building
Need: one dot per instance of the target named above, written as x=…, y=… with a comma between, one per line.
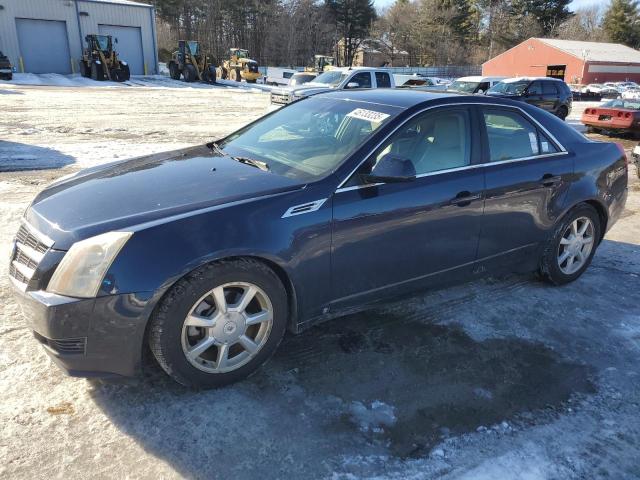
x=569, y=60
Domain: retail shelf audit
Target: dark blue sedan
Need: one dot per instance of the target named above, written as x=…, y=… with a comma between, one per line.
x=211, y=253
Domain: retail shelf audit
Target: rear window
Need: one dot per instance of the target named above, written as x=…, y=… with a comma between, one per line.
x=383, y=80
x=549, y=88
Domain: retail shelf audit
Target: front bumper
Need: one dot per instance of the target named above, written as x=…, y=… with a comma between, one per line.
x=88, y=337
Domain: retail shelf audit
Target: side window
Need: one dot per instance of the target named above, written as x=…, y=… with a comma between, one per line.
x=433, y=141
x=383, y=80
x=549, y=88
x=535, y=89
x=511, y=136
x=363, y=79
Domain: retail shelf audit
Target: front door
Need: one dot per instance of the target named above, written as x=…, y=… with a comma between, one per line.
x=409, y=234
x=527, y=179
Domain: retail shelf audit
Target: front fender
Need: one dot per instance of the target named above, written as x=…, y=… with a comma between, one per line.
x=157, y=256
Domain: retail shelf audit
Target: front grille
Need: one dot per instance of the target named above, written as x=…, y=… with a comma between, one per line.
x=280, y=99
x=67, y=346
x=29, y=251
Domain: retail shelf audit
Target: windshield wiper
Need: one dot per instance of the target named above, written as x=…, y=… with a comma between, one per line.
x=246, y=160
x=254, y=163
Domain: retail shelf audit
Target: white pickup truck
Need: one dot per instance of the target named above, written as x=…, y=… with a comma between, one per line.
x=336, y=79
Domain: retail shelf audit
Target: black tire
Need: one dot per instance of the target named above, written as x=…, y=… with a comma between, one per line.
x=125, y=73
x=549, y=268
x=174, y=71
x=251, y=81
x=84, y=71
x=238, y=75
x=562, y=112
x=190, y=73
x=97, y=73
x=165, y=329
x=224, y=74
x=209, y=75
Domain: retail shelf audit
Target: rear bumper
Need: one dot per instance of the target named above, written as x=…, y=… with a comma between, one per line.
x=88, y=337
x=614, y=124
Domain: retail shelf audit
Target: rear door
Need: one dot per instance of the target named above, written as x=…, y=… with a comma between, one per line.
x=127, y=41
x=527, y=178
x=551, y=96
x=533, y=95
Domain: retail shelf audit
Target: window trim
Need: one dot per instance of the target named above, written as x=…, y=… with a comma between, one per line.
x=561, y=150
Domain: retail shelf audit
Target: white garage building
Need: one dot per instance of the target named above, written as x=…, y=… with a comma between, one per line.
x=47, y=36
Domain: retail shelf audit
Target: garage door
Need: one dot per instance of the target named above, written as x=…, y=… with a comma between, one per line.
x=44, y=45
x=127, y=41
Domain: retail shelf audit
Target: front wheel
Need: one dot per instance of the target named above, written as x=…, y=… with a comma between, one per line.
x=220, y=323
x=570, y=250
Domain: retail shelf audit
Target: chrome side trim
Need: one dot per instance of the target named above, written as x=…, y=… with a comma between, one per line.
x=563, y=151
x=304, y=208
x=458, y=169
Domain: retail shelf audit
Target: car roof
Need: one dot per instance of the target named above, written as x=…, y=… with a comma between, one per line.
x=530, y=79
x=406, y=98
x=479, y=78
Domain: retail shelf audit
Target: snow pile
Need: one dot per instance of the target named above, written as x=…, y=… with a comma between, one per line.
x=373, y=418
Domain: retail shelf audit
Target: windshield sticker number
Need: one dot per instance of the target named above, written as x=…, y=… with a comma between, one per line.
x=368, y=115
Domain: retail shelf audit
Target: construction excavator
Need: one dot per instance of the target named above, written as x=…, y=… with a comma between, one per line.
x=101, y=62
x=239, y=67
x=192, y=63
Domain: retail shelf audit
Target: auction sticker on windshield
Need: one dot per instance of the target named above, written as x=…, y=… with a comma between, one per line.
x=368, y=115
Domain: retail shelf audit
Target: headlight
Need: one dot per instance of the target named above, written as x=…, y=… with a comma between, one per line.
x=83, y=267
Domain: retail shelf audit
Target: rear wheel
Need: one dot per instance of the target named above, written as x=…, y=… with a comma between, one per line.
x=189, y=73
x=209, y=75
x=238, y=75
x=562, y=112
x=174, y=71
x=125, y=73
x=97, y=72
x=224, y=74
x=220, y=323
x=84, y=71
x=570, y=250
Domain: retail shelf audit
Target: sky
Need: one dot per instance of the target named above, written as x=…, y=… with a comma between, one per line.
x=380, y=4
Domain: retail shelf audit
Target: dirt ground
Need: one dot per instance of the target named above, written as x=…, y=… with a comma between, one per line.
x=497, y=379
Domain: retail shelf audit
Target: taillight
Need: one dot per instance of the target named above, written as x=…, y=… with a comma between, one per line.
x=627, y=115
x=619, y=114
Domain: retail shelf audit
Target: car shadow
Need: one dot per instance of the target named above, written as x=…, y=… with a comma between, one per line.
x=20, y=156
x=374, y=382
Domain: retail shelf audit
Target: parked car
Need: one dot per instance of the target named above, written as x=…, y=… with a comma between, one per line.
x=474, y=84
x=6, y=69
x=277, y=76
x=548, y=94
x=334, y=79
x=614, y=116
x=636, y=158
x=208, y=254
x=301, y=78
x=419, y=82
x=631, y=93
x=602, y=90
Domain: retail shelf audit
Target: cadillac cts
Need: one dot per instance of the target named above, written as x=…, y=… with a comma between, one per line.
x=209, y=254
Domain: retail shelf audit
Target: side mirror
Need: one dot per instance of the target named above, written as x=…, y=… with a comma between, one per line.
x=391, y=168
x=353, y=85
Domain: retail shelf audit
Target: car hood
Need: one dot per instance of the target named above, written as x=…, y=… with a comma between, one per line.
x=303, y=90
x=125, y=194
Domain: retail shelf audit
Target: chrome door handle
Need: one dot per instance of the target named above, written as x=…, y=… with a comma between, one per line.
x=463, y=199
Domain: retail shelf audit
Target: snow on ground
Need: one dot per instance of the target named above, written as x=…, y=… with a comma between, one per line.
x=150, y=81
x=496, y=379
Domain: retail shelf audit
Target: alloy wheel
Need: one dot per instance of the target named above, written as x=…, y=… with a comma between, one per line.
x=575, y=245
x=227, y=327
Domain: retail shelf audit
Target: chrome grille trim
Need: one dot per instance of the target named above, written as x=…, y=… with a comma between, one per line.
x=30, y=247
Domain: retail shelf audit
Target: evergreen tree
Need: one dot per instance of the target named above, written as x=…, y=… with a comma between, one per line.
x=353, y=20
x=621, y=23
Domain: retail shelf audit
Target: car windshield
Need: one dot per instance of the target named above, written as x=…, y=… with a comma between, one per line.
x=331, y=78
x=299, y=79
x=310, y=138
x=627, y=104
x=510, y=88
x=463, y=86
